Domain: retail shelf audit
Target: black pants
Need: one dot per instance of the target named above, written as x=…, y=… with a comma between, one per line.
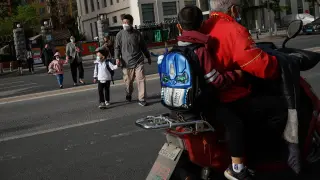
x=74, y=66
x=104, y=91
x=30, y=64
x=252, y=119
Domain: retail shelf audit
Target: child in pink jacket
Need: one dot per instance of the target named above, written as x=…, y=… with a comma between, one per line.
x=56, y=68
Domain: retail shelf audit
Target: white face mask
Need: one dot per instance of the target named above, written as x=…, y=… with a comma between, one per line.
x=57, y=58
x=98, y=58
x=126, y=27
x=72, y=40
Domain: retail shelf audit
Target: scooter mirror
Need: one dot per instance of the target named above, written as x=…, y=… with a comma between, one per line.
x=294, y=28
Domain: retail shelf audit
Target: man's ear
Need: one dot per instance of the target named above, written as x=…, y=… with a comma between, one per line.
x=179, y=28
x=234, y=11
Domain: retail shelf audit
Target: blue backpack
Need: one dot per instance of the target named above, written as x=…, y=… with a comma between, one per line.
x=181, y=78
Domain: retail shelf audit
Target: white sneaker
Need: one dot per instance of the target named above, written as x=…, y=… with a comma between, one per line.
x=107, y=103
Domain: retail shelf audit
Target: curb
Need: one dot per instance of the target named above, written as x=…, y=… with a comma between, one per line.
x=63, y=91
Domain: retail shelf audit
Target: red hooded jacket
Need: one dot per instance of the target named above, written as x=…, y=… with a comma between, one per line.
x=207, y=60
x=236, y=50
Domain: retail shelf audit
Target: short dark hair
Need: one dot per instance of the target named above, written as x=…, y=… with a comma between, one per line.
x=190, y=18
x=127, y=16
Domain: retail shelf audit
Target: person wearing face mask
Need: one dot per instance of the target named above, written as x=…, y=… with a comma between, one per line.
x=129, y=50
x=73, y=54
x=56, y=68
x=238, y=52
x=103, y=75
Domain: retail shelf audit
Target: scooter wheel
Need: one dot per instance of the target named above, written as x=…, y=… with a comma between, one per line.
x=183, y=174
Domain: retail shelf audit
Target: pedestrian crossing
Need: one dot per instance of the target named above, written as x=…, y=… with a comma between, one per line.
x=14, y=87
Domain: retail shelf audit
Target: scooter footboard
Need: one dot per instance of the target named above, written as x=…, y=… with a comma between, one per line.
x=166, y=162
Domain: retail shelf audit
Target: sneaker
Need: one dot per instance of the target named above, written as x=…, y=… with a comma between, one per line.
x=245, y=174
x=61, y=86
x=143, y=103
x=102, y=105
x=75, y=84
x=81, y=81
x=107, y=103
x=128, y=98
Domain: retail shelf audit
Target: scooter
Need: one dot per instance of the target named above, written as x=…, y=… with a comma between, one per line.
x=196, y=150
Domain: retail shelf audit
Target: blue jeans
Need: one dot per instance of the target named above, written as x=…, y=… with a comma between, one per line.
x=60, y=79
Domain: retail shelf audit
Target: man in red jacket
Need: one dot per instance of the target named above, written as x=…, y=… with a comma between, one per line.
x=236, y=50
x=233, y=49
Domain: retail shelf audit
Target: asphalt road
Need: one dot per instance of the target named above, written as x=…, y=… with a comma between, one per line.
x=67, y=137
x=40, y=82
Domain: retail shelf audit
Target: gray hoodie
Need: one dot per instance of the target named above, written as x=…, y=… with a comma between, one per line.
x=130, y=47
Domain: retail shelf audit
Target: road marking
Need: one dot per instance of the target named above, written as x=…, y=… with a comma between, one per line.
x=128, y=133
x=21, y=85
x=51, y=130
x=46, y=94
x=15, y=82
x=314, y=49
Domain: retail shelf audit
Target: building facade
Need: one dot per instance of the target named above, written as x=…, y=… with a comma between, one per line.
x=142, y=11
x=161, y=10
x=261, y=19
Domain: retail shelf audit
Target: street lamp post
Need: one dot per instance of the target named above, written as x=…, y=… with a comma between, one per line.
x=46, y=31
x=19, y=42
x=102, y=25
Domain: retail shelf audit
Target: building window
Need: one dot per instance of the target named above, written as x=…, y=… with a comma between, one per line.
x=121, y=16
x=147, y=12
x=42, y=11
x=92, y=6
x=169, y=8
x=104, y=3
x=300, y=6
x=190, y=2
x=204, y=5
x=86, y=6
x=98, y=4
x=91, y=31
x=111, y=2
x=311, y=9
x=288, y=8
x=108, y=21
x=96, y=27
x=114, y=20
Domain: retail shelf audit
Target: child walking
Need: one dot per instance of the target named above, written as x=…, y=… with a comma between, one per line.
x=56, y=68
x=103, y=72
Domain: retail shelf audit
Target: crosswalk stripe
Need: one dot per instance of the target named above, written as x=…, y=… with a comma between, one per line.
x=314, y=49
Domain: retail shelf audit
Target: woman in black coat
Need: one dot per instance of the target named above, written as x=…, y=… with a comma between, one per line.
x=47, y=55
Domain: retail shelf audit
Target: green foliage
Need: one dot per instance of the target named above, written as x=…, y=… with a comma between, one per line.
x=25, y=14
x=4, y=12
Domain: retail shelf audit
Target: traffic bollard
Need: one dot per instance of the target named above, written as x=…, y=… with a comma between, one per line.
x=1, y=68
x=11, y=66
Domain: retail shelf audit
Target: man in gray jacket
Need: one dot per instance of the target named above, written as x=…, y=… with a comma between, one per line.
x=129, y=50
x=73, y=54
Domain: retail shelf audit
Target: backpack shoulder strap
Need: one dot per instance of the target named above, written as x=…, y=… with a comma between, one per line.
x=110, y=70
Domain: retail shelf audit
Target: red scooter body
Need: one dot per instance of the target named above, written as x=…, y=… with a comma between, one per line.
x=206, y=150
x=195, y=148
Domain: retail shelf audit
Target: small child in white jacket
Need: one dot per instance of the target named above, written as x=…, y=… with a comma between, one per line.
x=103, y=75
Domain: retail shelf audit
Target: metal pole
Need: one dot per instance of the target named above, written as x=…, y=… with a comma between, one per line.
x=269, y=17
x=157, y=7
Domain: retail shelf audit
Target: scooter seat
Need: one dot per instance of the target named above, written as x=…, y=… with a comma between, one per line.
x=307, y=59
